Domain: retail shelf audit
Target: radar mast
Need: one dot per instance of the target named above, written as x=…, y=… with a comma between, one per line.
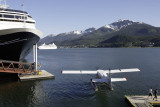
x=3, y=4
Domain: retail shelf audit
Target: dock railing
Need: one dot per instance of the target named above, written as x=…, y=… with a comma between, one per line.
x=17, y=67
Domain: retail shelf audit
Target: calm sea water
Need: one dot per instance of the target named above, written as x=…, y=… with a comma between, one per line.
x=76, y=90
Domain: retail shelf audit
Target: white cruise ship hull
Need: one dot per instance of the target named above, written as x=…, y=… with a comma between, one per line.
x=16, y=43
x=49, y=46
x=41, y=47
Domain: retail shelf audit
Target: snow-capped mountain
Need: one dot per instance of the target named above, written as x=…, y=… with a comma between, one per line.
x=89, y=30
x=79, y=34
x=66, y=36
x=120, y=24
x=52, y=35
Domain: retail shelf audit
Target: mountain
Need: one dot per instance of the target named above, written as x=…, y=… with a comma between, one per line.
x=138, y=35
x=103, y=33
x=121, y=24
x=89, y=30
x=122, y=33
x=65, y=36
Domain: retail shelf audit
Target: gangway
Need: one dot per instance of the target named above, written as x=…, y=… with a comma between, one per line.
x=17, y=67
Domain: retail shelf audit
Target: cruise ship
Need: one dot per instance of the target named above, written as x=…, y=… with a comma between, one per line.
x=18, y=33
x=49, y=46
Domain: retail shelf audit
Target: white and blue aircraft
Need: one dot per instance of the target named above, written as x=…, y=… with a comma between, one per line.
x=104, y=75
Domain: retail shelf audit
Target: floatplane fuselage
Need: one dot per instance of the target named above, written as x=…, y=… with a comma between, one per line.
x=104, y=76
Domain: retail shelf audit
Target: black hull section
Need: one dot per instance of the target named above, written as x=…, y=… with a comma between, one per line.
x=16, y=46
x=8, y=76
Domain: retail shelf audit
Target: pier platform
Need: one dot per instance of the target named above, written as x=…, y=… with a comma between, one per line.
x=42, y=75
x=142, y=101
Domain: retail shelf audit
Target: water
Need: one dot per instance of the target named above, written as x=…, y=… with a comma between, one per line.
x=76, y=90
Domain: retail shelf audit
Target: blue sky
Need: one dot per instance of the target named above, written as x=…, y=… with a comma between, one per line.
x=59, y=16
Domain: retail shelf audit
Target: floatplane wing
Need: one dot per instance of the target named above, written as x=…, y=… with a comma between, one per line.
x=79, y=72
x=122, y=70
x=95, y=71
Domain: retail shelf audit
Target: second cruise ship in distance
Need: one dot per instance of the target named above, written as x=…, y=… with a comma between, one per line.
x=18, y=33
x=49, y=46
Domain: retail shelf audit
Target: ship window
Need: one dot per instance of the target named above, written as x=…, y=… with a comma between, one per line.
x=0, y=15
x=16, y=21
x=8, y=16
x=18, y=17
x=29, y=16
x=29, y=22
x=23, y=17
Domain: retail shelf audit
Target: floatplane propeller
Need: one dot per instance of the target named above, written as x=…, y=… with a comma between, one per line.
x=104, y=75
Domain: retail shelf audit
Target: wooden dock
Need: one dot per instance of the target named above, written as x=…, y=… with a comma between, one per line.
x=142, y=101
x=42, y=75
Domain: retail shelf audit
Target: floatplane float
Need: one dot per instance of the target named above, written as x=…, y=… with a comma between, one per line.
x=104, y=76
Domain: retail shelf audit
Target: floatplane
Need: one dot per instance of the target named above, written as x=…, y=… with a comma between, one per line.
x=104, y=76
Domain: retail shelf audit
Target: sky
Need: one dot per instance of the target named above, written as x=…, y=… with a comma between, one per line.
x=60, y=16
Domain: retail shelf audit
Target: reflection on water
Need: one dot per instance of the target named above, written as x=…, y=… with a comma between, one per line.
x=76, y=90
x=12, y=93
x=18, y=94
